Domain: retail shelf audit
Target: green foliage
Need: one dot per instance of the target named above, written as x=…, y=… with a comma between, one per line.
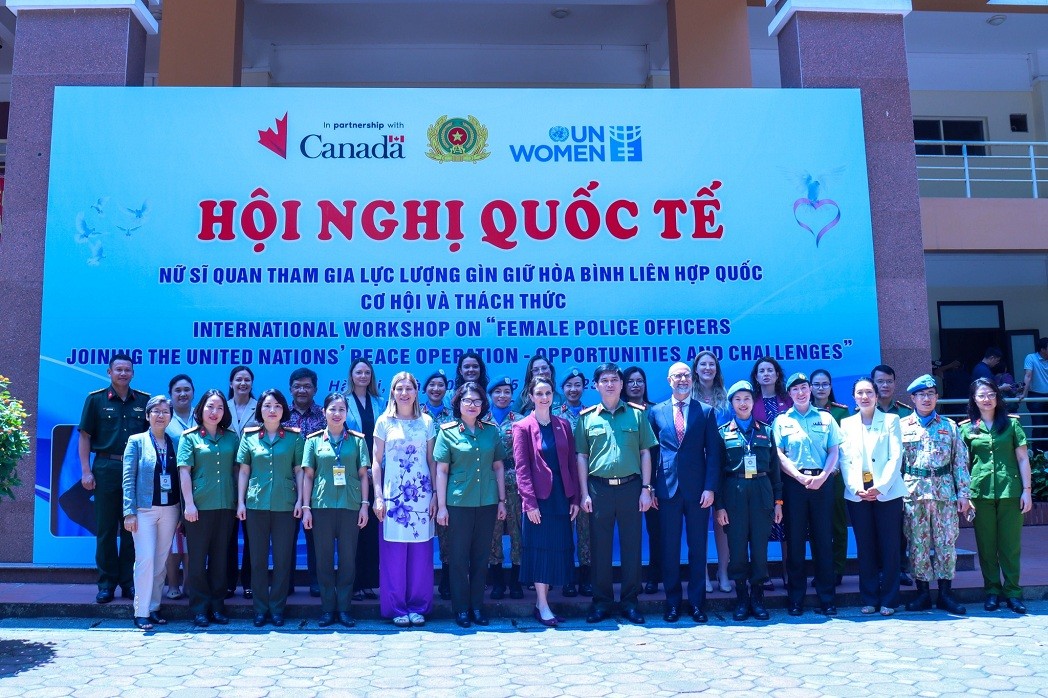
x=1039, y=471
x=14, y=440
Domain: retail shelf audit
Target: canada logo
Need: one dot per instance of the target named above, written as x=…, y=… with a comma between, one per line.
x=275, y=141
x=457, y=140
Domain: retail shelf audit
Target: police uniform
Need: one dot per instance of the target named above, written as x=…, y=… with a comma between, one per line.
x=899, y=409
x=335, y=508
x=935, y=470
x=840, y=516
x=511, y=526
x=210, y=461
x=472, y=502
x=996, y=485
x=613, y=441
x=808, y=514
x=270, y=499
x=110, y=421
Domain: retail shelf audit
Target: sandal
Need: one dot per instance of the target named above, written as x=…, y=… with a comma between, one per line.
x=143, y=624
x=868, y=610
x=174, y=593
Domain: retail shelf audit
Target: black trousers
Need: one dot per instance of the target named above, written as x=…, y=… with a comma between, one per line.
x=279, y=528
x=115, y=565
x=367, y=556
x=469, y=543
x=676, y=515
x=311, y=558
x=653, y=528
x=750, y=510
x=877, y=527
x=808, y=514
x=238, y=569
x=207, y=540
x=335, y=532
x=615, y=504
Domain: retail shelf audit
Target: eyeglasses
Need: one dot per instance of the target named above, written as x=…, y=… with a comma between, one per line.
x=821, y=386
x=925, y=395
x=471, y=402
x=160, y=413
x=634, y=381
x=885, y=381
x=982, y=397
x=678, y=376
x=609, y=381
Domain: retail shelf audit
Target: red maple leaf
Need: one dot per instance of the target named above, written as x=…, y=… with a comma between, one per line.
x=275, y=141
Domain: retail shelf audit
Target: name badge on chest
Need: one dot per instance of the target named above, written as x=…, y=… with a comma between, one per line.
x=749, y=461
x=340, y=475
x=165, y=482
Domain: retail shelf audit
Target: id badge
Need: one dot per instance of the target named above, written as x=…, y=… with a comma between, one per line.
x=340, y=475
x=165, y=483
x=750, y=463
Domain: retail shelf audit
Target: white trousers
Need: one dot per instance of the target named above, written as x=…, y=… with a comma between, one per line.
x=156, y=528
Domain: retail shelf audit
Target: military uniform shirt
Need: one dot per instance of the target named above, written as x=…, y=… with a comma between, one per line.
x=469, y=455
x=760, y=445
x=506, y=434
x=321, y=455
x=613, y=440
x=935, y=460
x=271, y=486
x=897, y=408
x=837, y=411
x=991, y=455
x=211, y=461
x=111, y=421
x=806, y=438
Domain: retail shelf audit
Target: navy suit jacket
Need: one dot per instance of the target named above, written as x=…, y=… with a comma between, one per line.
x=691, y=465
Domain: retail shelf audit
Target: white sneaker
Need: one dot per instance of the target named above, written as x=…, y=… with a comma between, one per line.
x=416, y=619
x=402, y=622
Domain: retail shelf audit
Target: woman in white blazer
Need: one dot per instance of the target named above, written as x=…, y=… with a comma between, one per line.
x=870, y=457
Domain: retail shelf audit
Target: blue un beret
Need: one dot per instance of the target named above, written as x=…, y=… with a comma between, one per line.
x=922, y=383
x=739, y=386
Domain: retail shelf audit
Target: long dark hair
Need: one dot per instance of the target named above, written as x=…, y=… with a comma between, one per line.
x=780, y=382
x=234, y=372
x=482, y=379
x=624, y=396
x=1000, y=410
x=198, y=411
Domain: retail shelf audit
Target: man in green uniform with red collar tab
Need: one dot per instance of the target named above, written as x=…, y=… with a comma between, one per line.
x=110, y=416
x=613, y=439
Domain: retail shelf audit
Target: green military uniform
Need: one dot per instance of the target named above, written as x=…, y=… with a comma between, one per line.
x=995, y=490
x=899, y=409
x=749, y=500
x=840, y=516
x=210, y=462
x=335, y=509
x=511, y=526
x=613, y=441
x=935, y=470
x=110, y=421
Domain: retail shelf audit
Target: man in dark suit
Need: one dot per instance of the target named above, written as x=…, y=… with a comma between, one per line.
x=686, y=476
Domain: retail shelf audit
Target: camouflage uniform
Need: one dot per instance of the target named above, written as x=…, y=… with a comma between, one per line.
x=443, y=418
x=582, y=521
x=935, y=470
x=511, y=526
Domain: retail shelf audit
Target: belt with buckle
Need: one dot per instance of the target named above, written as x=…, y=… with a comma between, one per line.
x=614, y=481
x=744, y=476
x=110, y=456
x=810, y=471
x=926, y=472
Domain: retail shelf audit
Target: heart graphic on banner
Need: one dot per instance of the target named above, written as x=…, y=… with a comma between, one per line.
x=810, y=216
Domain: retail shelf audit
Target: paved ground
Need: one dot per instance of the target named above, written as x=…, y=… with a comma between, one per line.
x=851, y=655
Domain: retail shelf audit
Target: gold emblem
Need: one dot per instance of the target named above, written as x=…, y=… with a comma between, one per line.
x=457, y=140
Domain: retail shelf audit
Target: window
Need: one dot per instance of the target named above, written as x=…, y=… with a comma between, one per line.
x=949, y=130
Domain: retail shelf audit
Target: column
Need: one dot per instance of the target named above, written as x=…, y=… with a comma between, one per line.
x=202, y=43
x=860, y=43
x=709, y=43
x=93, y=42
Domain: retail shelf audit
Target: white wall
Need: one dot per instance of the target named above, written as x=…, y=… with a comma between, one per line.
x=994, y=107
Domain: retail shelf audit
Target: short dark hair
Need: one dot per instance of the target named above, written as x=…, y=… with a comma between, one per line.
x=863, y=379
x=539, y=380
x=469, y=387
x=1042, y=344
x=279, y=397
x=606, y=367
x=120, y=356
x=626, y=376
x=882, y=368
x=300, y=373
x=198, y=411
x=331, y=397
x=482, y=378
x=993, y=353
x=179, y=377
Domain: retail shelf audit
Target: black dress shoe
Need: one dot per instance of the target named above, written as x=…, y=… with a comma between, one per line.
x=1016, y=605
x=586, y=590
x=570, y=591
x=326, y=620
x=230, y=593
x=346, y=619
x=699, y=616
x=219, y=618
x=795, y=609
x=596, y=616
x=104, y=596
x=127, y=592
x=905, y=580
x=248, y=594
x=672, y=614
x=479, y=618
x=260, y=620
x=993, y=602
x=633, y=616
x=462, y=620
x=278, y=620
x=828, y=610
x=651, y=588
x=314, y=591
x=143, y=624
x=369, y=594
x=201, y=621
x=157, y=619
x=839, y=580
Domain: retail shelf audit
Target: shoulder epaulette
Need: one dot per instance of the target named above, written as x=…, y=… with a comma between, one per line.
x=355, y=433
x=140, y=392
x=1014, y=416
x=837, y=404
x=100, y=390
x=295, y=430
x=900, y=403
x=590, y=408
x=450, y=425
x=190, y=430
x=489, y=423
x=251, y=430
x=824, y=409
x=964, y=421
x=640, y=407
x=318, y=432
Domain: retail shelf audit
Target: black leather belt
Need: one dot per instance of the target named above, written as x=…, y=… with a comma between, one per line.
x=744, y=476
x=810, y=471
x=110, y=456
x=615, y=481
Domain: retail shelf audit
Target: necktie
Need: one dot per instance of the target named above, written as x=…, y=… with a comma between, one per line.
x=678, y=421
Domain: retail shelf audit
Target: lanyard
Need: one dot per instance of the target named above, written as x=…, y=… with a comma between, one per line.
x=161, y=454
x=337, y=448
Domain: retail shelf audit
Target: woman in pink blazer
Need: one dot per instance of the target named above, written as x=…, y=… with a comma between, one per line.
x=548, y=482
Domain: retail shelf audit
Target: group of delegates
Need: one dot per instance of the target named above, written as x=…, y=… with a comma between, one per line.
x=766, y=459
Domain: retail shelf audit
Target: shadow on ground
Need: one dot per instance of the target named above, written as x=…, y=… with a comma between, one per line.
x=17, y=656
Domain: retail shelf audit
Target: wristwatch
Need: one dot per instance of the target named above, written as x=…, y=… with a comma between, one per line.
x=649, y=488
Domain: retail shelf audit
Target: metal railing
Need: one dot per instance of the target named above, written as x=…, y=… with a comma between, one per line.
x=1036, y=434
x=983, y=169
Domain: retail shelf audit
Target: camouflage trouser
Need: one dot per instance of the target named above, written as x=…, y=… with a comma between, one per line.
x=582, y=531
x=510, y=527
x=932, y=528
